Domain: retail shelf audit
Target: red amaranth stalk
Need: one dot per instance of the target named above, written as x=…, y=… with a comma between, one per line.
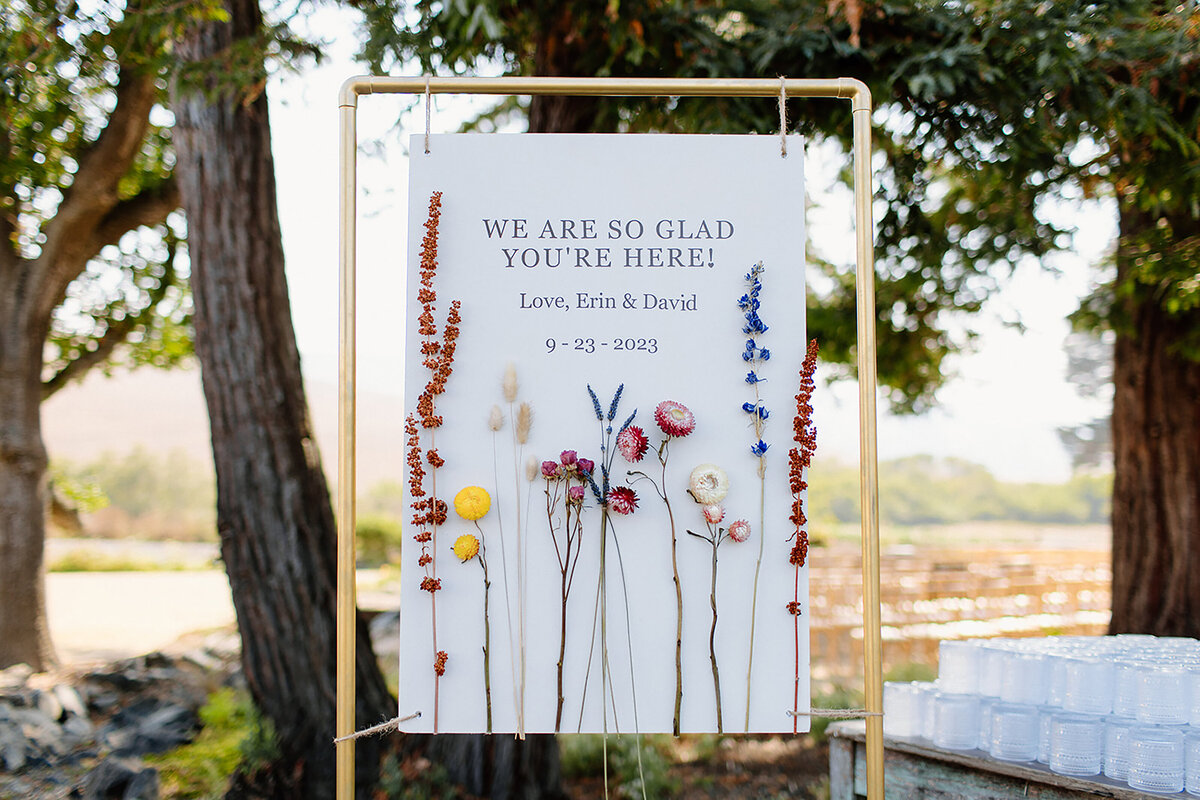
x=799, y=460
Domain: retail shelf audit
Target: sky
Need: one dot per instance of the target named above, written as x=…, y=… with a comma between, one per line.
x=1000, y=407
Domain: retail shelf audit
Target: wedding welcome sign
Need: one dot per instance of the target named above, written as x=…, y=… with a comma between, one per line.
x=608, y=431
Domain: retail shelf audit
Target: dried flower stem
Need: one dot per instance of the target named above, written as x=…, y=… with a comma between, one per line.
x=712, y=638
x=799, y=460
x=487, y=629
x=512, y=650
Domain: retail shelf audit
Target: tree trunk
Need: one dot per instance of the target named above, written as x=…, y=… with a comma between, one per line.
x=1156, y=463
x=24, y=634
x=278, y=538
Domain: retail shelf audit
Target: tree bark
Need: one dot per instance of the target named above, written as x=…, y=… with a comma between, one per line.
x=24, y=634
x=1156, y=463
x=276, y=525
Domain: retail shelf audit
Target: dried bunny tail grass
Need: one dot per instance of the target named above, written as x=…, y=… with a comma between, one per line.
x=509, y=384
x=495, y=419
x=532, y=469
x=524, y=422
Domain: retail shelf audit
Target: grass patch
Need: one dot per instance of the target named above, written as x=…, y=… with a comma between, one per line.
x=92, y=561
x=234, y=733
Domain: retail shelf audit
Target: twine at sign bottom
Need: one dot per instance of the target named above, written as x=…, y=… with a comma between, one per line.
x=827, y=713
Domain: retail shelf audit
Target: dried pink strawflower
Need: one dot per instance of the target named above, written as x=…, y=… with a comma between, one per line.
x=713, y=513
x=586, y=465
x=622, y=500
x=568, y=457
x=675, y=419
x=633, y=444
x=550, y=469
x=575, y=495
x=739, y=531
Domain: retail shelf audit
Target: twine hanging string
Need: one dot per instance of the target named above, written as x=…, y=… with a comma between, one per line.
x=428, y=104
x=383, y=727
x=782, y=118
x=836, y=713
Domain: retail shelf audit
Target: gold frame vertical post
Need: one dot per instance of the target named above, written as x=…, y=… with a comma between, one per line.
x=869, y=467
x=347, y=589
x=841, y=88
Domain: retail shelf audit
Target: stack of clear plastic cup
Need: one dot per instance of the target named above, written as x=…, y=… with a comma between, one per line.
x=1015, y=732
x=1156, y=759
x=1024, y=680
x=1076, y=744
x=1162, y=691
x=1191, y=763
x=1056, y=679
x=901, y=710
x=956, y=721
x=1089, y=685
x=1116, y=746
x=958, y=666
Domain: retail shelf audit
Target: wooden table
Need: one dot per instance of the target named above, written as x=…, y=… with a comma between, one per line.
x=914, y=768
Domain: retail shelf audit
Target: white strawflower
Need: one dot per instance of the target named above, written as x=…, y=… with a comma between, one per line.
x=708, y=484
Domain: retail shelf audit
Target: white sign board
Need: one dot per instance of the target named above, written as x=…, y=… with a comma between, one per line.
x=605, y=262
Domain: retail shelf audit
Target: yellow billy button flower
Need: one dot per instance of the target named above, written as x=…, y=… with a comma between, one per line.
x=472, y=503
x=466, y=547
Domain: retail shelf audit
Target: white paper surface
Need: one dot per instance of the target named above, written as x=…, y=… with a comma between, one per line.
x=561, y=296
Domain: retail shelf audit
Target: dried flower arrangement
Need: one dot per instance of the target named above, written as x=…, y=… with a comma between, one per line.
x=675, y=420
x=708, y=485
x=799, y=460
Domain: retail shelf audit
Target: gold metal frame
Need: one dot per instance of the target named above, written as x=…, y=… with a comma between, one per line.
x=843, y=88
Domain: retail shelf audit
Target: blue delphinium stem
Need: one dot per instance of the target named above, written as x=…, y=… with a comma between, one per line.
x=755, y=356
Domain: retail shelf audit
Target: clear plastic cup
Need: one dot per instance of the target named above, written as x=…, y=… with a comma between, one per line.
x=1016, y=730
x=1162, y=691
x=1056, y=679
x=901, y=710
x=1191, y=764
x=991, y=669
x=1194, y=695
x=1116, y=746
x=1025, y=680
x=1125, y=680
x=1089, y=685
x=1076, y=744
x=956, y=721
x=926, y=693
x=1045, y=714
x=986, y=704
x=1156, y=759
x=958, y=666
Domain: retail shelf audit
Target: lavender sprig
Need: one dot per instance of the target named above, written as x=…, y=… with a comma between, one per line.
x=755, y=356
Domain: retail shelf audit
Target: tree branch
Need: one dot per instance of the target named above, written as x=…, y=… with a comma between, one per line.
x=149, y=207
x=93, y=194
x=117, y=333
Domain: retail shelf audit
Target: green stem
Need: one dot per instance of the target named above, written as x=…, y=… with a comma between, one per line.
x=712, y=638
x=762, y=521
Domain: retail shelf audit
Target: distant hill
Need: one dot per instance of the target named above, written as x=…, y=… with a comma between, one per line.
x=162, y=411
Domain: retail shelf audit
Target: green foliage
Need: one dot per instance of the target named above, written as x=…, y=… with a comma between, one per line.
x=839, y=697
x=378, y=539
x=233, y=734
x=82, y=493
x=150, y=495
x=990, y=110
x=432, y=782
x=910, y=671
x=582, y=756
x=923, y=490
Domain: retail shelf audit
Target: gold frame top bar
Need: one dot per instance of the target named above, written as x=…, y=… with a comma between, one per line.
x=838, y=88
x=843, y=88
